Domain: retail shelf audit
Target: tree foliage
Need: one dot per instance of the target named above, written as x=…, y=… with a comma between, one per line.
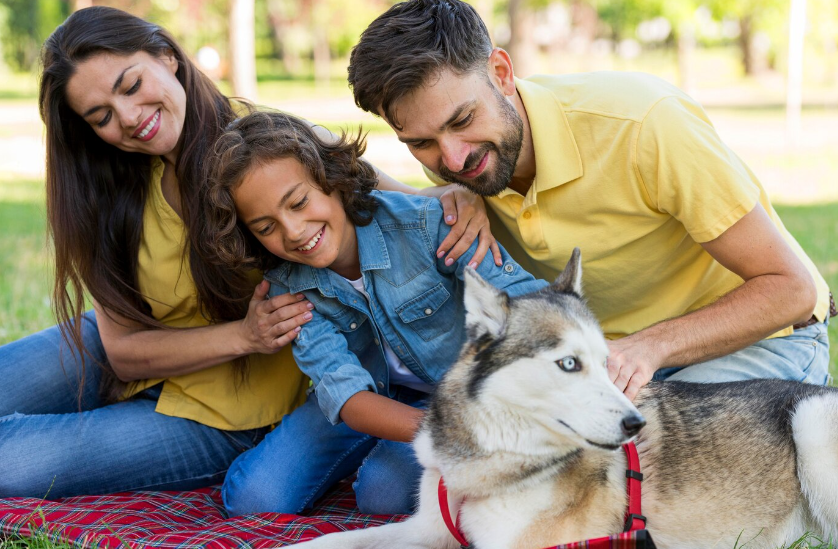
x=26, y=24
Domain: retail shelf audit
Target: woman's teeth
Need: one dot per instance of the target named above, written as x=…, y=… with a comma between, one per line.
x=149, y=126
x=311, y=243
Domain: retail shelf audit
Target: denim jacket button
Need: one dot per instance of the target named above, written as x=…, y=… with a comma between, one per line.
x=428, y=311
x=377, y=342
x=508, y=268
x=380, y=384
x=353, y=326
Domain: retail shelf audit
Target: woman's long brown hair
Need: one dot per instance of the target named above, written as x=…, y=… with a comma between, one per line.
x=96, y=192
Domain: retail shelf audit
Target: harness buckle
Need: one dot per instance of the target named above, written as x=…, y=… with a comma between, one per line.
x=630, y=520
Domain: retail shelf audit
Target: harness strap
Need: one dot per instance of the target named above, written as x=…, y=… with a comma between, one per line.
x=634, y=520
x=446, y=515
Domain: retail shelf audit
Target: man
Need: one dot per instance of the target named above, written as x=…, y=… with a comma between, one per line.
x=686, y=261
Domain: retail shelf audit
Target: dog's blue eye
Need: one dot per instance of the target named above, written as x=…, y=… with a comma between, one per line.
x=569, y=364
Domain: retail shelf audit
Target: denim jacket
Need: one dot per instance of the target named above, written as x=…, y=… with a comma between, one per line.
x=416, y=303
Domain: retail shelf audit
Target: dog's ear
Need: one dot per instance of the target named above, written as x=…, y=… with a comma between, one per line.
x=486, y=307
x=570, y=279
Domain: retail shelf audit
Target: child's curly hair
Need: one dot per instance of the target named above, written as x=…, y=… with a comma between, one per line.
x=260, y=138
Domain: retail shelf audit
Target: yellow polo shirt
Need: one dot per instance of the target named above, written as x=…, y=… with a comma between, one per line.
x=274, y=385
x=631, y=170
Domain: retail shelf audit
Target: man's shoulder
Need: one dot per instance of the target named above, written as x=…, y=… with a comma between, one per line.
x=628, y=95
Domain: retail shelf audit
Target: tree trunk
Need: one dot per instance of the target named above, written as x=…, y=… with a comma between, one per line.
x=521, y=48
x=320, y=38
x=686, y=49
x=745, y=35
x=243, y=48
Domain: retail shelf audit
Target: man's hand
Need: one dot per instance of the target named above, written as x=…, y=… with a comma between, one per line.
x=631, y=364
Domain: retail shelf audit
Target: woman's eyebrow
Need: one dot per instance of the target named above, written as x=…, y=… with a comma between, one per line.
x=113, y=90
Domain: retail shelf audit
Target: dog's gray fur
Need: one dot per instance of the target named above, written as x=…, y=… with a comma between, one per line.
x=533, y=451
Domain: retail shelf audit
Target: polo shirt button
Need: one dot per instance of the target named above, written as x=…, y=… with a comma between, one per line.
x=380, y=384
x=353, y=326
x=527, y=215
x=508, y=268
x=428, y=311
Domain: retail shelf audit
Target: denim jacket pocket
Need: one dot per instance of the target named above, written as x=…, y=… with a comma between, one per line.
x=425, y=314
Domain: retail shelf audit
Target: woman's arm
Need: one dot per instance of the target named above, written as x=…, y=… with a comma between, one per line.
x=136, y=352
x=381, y=417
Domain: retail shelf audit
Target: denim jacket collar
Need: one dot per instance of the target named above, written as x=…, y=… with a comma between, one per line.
x=372, y=253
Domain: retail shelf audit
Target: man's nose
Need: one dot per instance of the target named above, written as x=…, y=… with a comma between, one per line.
x=454, y=154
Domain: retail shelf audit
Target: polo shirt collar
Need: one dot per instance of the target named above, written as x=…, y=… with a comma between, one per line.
x=557, y=158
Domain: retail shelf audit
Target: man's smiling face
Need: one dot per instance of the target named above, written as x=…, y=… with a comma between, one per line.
x=462, y=128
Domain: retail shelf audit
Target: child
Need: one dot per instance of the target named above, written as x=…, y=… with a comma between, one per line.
x=387, y=319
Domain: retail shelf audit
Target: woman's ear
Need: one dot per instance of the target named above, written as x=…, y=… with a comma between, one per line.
x=168, y=57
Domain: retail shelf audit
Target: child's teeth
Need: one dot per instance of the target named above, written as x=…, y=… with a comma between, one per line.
x=311, y=243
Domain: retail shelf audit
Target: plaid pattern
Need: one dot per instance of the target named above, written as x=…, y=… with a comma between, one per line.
x=189, y=520
x=183, y=520
x=638, y=539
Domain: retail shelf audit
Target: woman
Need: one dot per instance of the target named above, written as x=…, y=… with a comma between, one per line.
x=192, y=358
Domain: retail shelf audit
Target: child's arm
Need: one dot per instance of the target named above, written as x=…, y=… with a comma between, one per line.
x=381, y=417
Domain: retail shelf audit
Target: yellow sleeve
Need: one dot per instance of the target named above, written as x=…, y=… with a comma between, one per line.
x=689, y=172
x=435, y=179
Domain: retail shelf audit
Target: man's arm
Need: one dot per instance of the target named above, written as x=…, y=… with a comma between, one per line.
x=778, y=291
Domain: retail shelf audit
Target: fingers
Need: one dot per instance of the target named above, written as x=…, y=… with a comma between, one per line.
x=261, y=291
x=464, y=243
x=634, y=386
x=278, y=302
x=496, y=252
x=449, y=207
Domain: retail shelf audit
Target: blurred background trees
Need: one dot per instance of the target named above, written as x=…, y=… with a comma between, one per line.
x=311, y=39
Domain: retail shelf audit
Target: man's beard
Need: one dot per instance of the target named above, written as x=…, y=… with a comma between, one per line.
x=491, y=184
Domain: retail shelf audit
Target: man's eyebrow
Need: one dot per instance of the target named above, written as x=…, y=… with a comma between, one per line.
x=113, y=90
x=282, y=202
x=451, y=119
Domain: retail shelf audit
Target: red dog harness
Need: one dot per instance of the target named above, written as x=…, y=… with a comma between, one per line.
x=634, y=520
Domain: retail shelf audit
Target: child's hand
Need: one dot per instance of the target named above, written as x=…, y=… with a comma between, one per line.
x=272, y=323
x=466, y=212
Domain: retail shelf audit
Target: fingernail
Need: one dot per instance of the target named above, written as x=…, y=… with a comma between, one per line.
x=297, y=329
x=449, y=261
x=473, y=264
x=310, y=305
x=440, y=253
x=300, y=296
x=449, y=218
x=307, y=316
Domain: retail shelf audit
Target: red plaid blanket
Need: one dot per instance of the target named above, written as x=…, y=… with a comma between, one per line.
x=187, y=520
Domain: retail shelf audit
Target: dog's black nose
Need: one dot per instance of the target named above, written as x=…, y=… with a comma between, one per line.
x=632, y=424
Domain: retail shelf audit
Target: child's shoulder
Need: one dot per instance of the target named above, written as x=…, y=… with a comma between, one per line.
x=400, y=210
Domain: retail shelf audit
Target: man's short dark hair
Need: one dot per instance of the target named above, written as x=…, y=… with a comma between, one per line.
x=410, y=43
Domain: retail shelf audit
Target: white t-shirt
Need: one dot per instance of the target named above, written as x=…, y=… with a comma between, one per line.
x=399, y=373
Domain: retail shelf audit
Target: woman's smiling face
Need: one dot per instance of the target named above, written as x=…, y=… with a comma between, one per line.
x=133, y=102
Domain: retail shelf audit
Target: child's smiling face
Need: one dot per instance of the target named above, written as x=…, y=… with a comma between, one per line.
x=294, y=220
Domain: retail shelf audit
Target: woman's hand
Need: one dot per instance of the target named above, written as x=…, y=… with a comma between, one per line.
x=272, y=323
x=466, y=213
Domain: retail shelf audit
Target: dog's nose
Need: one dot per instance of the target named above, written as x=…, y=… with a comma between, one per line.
x=632, y=424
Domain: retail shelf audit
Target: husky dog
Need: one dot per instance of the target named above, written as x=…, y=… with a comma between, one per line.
x=526, y=429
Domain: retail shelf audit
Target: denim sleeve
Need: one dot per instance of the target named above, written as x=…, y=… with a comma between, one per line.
x=322, y=353
x=509, y=277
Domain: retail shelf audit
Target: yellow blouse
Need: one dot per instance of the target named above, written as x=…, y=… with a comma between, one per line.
x=274, y=385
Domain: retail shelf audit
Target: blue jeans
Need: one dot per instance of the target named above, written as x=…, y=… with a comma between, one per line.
x=55, y=444
x=305, y=455
x=801, y=356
